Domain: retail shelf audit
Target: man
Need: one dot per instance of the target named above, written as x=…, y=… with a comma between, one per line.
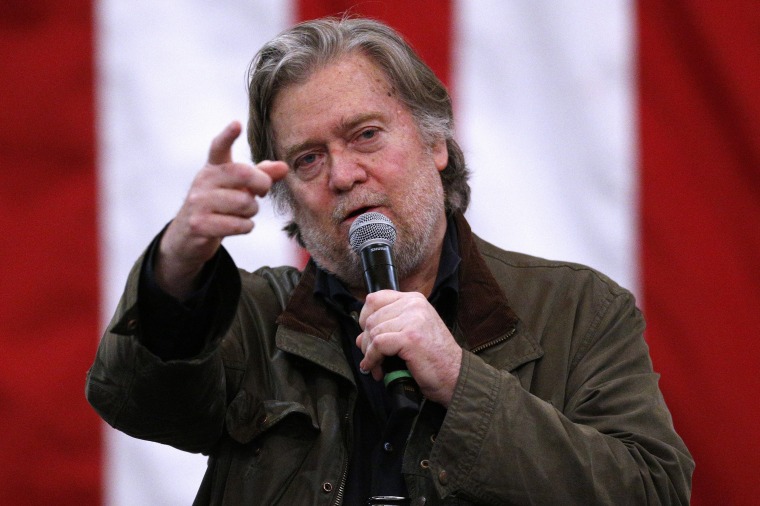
x=537, y=386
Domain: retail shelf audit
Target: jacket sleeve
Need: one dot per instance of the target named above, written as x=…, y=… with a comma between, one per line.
x=178, y=402
x=608, y=440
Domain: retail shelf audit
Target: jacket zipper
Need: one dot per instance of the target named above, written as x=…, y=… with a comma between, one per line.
x=346, y=419
x=499, y=340
x=344, y=471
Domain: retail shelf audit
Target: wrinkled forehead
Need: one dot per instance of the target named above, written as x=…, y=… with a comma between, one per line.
x=302, y=72
x=346, y=88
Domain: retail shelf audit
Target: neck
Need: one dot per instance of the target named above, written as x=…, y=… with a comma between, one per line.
x=423, y=279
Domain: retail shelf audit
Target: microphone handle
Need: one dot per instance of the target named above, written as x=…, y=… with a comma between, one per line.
x=379, y=273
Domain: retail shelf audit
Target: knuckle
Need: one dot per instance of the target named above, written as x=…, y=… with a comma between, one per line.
x=194, y=197
x=417, y=300
x=196, y=224
x=237, y=200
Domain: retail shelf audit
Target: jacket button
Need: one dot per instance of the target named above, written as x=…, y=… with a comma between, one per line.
x=421, y=501
x=443, y=477
x=424, y=464
x=132, y=324
x=327, y=487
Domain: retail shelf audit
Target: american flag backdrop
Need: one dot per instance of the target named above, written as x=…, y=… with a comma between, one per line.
x=623, y=134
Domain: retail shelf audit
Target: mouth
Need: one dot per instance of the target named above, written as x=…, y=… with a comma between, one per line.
x=351, y=216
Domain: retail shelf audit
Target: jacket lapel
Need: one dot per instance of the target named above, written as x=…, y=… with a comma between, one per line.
x=309, y=329
x=484, y=316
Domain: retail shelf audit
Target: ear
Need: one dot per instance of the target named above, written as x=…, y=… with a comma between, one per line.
x=440, y=154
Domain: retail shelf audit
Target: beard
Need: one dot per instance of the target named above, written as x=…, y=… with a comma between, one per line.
x=417, y=216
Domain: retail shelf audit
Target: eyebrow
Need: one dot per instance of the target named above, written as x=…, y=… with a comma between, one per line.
x=350, y=123
x=291, y=151
x=344, y=125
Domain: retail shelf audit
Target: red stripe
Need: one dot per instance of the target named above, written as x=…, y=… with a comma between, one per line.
x=426, y=24
x=48, y=259
x=699, y=68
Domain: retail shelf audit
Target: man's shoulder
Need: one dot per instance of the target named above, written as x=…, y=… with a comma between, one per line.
x=285, y=276
x=279, y=281
x=524, y=270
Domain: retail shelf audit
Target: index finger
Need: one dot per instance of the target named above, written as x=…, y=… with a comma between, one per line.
x=221, y=147
x=275, y=169
x=256, y=179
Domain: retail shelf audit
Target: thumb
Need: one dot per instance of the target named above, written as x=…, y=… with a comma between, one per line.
x=221, y=146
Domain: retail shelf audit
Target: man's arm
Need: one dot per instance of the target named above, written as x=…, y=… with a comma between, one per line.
x=609, y=441
x=146, y=385
x=139, y=382
x=583, y=424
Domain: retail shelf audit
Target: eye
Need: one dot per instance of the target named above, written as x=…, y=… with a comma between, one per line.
x=306, y=159
x=307, y=165
x=368, y=133
x=368, y=139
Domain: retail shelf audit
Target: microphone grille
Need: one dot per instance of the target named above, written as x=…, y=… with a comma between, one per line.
x=371, y=226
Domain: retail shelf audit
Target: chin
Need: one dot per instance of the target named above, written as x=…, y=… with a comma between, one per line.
x=345, y=265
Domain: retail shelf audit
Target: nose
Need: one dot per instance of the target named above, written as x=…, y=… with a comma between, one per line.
x=346, y=171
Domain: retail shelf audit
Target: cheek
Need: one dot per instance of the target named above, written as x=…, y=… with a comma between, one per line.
x=312, y=207
x=306, y=196
x=394, y=167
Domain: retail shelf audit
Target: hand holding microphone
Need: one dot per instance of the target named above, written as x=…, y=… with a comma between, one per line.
x=372, y=236
x=400, y=328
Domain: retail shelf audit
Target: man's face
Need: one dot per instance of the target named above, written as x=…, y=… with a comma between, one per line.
x=353, y=147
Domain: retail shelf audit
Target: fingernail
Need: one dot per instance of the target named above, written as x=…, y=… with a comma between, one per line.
x=363, y=371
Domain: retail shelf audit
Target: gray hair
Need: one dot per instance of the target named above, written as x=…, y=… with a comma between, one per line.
x=294, y=55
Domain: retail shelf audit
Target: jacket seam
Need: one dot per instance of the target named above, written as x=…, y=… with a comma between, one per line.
x=553, y=264
x=590, y=336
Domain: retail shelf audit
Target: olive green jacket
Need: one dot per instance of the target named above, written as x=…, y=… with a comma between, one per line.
x=556, y=402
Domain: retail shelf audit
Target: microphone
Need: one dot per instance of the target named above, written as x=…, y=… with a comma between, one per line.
x=372, y=236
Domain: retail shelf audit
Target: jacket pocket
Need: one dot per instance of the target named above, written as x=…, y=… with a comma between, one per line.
x=274, y=450
x=248, y=419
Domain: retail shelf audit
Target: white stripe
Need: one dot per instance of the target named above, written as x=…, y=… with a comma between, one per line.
x=171, y=76
x=545, y=101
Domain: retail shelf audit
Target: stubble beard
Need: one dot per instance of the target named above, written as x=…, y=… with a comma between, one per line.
x=418, y=215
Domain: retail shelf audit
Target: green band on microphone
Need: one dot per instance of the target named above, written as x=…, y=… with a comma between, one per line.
x=394, y=375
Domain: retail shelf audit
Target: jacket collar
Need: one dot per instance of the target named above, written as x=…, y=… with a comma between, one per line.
x=484, y=316
x=483, y=312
